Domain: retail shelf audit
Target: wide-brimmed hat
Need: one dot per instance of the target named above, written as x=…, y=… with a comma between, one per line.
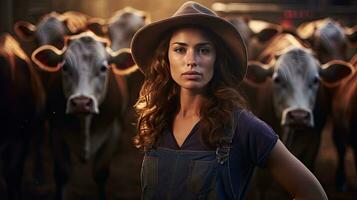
x=146, y=39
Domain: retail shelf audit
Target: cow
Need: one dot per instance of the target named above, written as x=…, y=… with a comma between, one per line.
x=344, y=120
x=119, y=29
x=328, y=38
x=22, y=106
x=257, y=34
x=52, y=28
x=85, y=106
x=291, y=94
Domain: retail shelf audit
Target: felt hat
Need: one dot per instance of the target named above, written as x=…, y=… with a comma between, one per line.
x=146, y=39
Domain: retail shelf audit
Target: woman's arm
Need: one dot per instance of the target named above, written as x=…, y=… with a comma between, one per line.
x=293, y=175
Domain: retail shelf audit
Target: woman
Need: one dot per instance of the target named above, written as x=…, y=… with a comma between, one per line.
x=198, y=140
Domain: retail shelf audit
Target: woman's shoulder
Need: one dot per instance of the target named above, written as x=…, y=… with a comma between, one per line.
x=246, y=117
x=250, y=125
x=254, y=137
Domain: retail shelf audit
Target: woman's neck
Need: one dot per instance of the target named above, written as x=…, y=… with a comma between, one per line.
x=190, y=103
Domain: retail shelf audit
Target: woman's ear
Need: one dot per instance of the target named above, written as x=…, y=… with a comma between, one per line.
x=121, y=61
x=48, y=58
x=25, y=30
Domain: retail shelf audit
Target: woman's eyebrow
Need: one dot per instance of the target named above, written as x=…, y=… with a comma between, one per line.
x=180, y=43
x=198, y=44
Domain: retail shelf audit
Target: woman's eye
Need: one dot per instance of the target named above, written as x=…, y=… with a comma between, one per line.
x=179, y=50
x=204, y=50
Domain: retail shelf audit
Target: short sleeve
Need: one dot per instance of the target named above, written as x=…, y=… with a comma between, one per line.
x=256, y=138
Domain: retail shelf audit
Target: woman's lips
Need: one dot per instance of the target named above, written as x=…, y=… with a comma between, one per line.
x=191, y=75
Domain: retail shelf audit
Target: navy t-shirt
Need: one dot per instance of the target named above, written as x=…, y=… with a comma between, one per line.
x=252, y=136
x=252, y=142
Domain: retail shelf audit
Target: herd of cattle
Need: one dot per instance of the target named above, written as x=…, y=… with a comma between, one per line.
x=80, y=85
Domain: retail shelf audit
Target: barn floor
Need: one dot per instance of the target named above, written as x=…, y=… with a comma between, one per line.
x=125, y=180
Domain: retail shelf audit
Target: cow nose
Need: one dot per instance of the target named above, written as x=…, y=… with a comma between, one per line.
x=299, y=116
x=82, y=104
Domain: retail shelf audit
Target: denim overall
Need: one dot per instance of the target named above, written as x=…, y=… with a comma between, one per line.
x=187, y=174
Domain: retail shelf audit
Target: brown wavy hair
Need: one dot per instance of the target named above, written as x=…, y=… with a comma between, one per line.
x=158, y=101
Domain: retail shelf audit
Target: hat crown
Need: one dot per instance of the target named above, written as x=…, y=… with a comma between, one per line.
x=191, y=7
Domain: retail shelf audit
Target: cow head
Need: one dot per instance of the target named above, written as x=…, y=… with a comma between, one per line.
x=328, y=38
x=263, y=33
x=296, y=77
x=85, y=64
x=51, y=29
x=121, y=27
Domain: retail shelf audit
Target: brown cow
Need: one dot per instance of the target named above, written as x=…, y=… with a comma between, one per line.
x=344, y=118
x=290, y=94
x=86, y=106
x=257, y=34
x=328, y=38
x=22, y=106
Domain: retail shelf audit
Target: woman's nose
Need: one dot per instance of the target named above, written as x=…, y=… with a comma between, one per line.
x=191, y=59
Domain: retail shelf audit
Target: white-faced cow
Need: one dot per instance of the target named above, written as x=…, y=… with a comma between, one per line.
x=328, y=38
x=344, y=118
x=120, y=29
x=290, y=95
x=86, y=106
x=52, y=28
x=22, y=104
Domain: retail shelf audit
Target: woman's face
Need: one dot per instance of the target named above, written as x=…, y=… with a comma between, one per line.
x=191, y=58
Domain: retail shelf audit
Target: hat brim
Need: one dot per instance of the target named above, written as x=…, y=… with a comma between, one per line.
x=146, y=39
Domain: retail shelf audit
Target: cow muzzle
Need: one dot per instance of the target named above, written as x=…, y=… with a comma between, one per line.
x=297, y=117
x=81, y=105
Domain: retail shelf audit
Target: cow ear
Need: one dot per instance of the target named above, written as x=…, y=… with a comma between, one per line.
x=264, y=31
x=122, y=62
x=334, y=71
x=75, y=21
x=353, y=61
x=267, y=34
x=25, y=30
x=48, y=58
x=351, y=34
x=98, y=27
x=257, y=72
x=306, y=30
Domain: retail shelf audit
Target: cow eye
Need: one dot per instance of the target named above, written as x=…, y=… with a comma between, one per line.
x=103, y=68
x=315, y=80
x=65, y=68
x=276, y=79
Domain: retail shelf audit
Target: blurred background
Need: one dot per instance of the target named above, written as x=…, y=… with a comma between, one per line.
x=277, y=11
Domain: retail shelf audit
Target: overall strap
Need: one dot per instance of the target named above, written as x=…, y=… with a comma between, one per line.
x=225, y=144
